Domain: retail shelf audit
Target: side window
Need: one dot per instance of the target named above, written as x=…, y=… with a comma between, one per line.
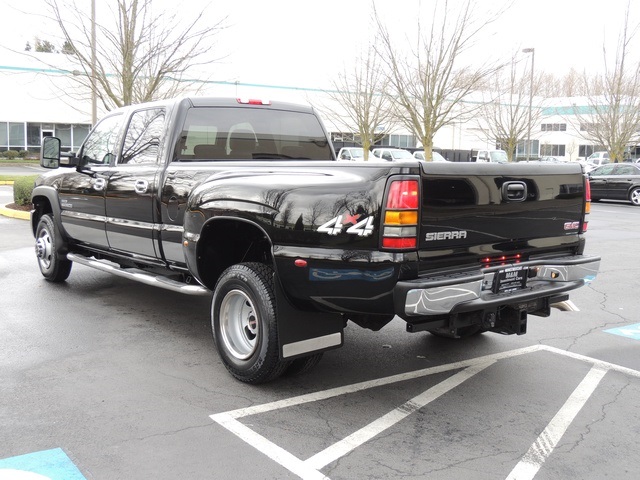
x=625, y=170
x=100, y=146
x=604, y=170
x=142, y=140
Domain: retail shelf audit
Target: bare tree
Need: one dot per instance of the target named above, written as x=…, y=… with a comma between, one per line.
x=430, y=84
x=504, y=117
x=139, y=56
x=360, y=93
x=613, y=99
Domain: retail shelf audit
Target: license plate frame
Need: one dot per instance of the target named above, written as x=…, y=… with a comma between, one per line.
x=510, y=279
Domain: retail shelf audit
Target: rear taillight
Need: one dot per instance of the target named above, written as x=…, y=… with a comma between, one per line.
x=400, y=216
x=587, y=206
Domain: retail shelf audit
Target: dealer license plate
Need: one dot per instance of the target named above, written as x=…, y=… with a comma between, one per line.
x=510, y=279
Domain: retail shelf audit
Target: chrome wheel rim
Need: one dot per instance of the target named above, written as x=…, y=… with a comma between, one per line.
x=635, y=197
x=239, y=324
x=44, y=249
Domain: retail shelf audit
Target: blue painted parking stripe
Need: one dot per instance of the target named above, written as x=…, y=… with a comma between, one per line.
x=630, y=331
x=51, y=464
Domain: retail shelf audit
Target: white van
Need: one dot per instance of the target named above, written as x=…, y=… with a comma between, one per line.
x=493, y=156
x=595, y=160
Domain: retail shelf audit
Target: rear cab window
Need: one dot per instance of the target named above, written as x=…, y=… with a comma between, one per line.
x=228, y=133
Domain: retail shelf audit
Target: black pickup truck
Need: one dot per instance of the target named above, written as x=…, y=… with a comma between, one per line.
x=245, y=201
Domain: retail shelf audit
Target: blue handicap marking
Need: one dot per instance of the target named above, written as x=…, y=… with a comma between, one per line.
x=630, y=331
x=51, y=464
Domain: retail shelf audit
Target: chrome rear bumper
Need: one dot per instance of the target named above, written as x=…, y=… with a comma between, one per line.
x=470, y=291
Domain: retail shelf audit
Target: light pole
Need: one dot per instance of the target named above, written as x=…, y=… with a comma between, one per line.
x=532, y=51
x=94, y=102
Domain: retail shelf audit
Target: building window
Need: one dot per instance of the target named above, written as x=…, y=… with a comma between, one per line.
x=521, y=151
x=16, y=136
x=33, y=134
x=63, y=132
x=552, y=150
x=586, y=150
x=588, y=127
x=4, y=137
x=399, y=141
x=554, y=127
x=79, y=132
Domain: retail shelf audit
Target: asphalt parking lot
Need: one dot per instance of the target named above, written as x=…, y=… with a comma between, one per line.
x=103, y=378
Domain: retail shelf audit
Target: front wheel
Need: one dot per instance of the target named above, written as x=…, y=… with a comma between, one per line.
x=244, y=322
x=53, y=266
x=634, y=196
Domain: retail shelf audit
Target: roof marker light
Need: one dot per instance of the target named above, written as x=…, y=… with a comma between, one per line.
x=253, y=101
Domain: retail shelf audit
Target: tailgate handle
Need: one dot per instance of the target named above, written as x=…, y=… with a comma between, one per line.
x=514, y=191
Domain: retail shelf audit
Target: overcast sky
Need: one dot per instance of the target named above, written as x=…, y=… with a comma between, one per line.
x=302, y=43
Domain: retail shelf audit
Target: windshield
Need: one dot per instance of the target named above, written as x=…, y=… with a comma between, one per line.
x=498, y=156
x=401, y=155
x=356, y=152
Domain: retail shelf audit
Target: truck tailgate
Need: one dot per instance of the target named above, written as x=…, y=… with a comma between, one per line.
x=473, y=211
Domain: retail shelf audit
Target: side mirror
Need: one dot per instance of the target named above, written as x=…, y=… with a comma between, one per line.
x=52, y=157
x=50, y=152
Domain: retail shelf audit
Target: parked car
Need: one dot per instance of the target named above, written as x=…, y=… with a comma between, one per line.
x=551, y=159
x=596, y=159
x=435, y=156
x=391, y=154
x=491, y=156
x=616, y=181
x=351, y=153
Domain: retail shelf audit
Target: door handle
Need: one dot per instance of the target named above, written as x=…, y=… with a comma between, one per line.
x=514, y=191
x=141, y=186
x=99, y=183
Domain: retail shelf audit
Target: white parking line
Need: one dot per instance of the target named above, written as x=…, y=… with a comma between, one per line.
x=526, y=469
x=343, y=447
x=549, y=438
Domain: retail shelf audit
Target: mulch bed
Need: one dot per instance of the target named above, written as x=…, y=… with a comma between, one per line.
x=22, y=208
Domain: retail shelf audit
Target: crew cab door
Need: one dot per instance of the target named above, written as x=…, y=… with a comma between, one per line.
x=81, y=193
x=131, y=193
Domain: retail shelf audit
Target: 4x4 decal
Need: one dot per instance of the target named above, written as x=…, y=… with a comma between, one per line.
x=362, y=228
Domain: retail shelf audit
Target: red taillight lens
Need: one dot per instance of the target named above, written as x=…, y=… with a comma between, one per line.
x=400, y=218
x=403, y=194
x=399, y=242
x=587, y=205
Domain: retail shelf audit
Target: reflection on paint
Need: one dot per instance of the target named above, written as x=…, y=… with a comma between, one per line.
x=341, y=274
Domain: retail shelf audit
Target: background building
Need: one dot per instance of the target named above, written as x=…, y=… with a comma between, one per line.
x=39, y=102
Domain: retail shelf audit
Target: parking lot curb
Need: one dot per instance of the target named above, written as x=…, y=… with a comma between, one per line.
x=7, y=212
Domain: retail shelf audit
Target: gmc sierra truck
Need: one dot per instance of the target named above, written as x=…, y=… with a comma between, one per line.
x=245, y=202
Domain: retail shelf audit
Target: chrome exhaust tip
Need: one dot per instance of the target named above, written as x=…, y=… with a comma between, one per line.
x=566, y=306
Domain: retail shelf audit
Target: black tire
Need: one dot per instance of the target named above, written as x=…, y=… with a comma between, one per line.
x=634, y=196
x=302, y=365
x=54, y=267
x=462, y=332
x=245, y=328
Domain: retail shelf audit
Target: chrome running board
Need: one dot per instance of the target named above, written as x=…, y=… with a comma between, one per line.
x=140, y=275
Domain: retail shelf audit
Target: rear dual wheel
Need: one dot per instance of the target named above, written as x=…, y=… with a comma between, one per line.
x=245, y=327
x=243, y=315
